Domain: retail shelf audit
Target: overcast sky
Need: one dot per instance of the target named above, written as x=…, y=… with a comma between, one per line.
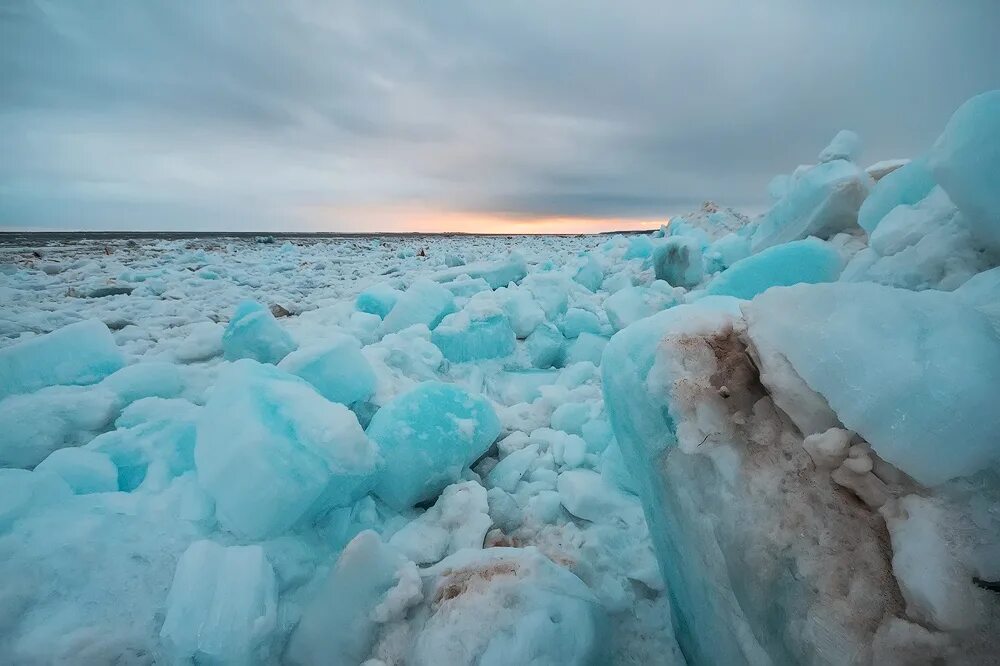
x=366, y=116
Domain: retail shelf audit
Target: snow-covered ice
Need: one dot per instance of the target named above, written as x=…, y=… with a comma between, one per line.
x=732, y=440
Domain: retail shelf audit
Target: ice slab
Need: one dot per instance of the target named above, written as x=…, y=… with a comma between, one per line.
x=634, y=303
x=846, y=145
x=272, y=451
x=427, y=437
x=497, y=274
x=965, y=161
x=336, y=368
x=78, y=354
x=222, y=606
x=901, y=398
x=425, y=302
x=906, y=185
x=809, y=261
x=378, y=299
x=85, y=471
x=471, y=336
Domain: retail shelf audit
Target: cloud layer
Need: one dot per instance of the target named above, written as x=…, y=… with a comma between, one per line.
x=353, y=115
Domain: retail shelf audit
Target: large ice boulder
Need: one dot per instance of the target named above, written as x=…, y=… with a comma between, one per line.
x=810, y=260
x=906, y=185
x=425, y=302
x=271, y=451
x=253, y=332
x=729, y=493
x=925, y=402
x=336, y=368
x=823, y=201
x=78, y=354
x=222, y=606
x=965, y=161
x=677, y=261
x=427, y=437
x=472, y=335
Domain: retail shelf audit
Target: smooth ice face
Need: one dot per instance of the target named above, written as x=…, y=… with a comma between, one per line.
x=222, y=605
x=254, y=333
x=965, y=161
x=546, y=346
x=425, y=302
x=631, y=304
x=336, y=368
x=810, y=260
x=590, y=275
x=84, y=470
x=504, y=606
x=427, y=437
x=925, y=403
x=823, y=201
x=378, y=299
x=906, y=185
x=369, y=582
x=846, y=145
x=586, y=347
x=678, y=262
x=79, y=354
x=272, y=451
x=577, y=321
x=497, y=274
x=468, y=336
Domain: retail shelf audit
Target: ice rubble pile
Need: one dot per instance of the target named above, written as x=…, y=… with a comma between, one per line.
x=731, y=441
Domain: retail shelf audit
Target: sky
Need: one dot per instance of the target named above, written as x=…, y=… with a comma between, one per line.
x=513, y=116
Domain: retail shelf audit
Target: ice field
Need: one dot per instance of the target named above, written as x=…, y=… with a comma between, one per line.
x=733, y=440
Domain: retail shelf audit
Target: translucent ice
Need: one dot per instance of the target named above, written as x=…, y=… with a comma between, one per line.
x=545, y=346
x=272, y=451
x=965, y=161
x=634, y=303
x=427, y=437
x=81, y=353
x=586, y=347
x=846, y=145
x=810, y=260
x=253, y=332
x=470, y=336
x=378, y=299
x=906, y=185
x=84, y=470
x=590, y=275
x=22, y=491
x=823, y=201
x=577, y=321
x=336, y=368
x=222, y=605
x=425, y=302
x=900, y=398
x=678, y=262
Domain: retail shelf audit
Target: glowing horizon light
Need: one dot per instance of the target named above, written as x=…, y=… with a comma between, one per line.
x=378, y=219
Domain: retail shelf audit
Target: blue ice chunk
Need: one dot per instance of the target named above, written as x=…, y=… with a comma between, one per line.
x=677, y=260
x=468, y=287
x=546, y=346
x=846, y=145
x=551, y=290
x=965, y=161
x=906, y=185
x=823, y=202
x=377, y=299
x=639, y=247
x=577, y=321
x=85, y=471
x=497, y=274
x=146, y=380
x=631, y=304
x=586, y=347
x=79, y=354
x=590, y=275
x=427, y=437
x=729, y=249
x=570, y=417
x=336, y=368
x=806, y=261
x=925, y=402
x=425, y=302
x=222, y=605
x=253, y=332
x=509, y=471
x=271, y=451
x=464, y=336
x=597, y=434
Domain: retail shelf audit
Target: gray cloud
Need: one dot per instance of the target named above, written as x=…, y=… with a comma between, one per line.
x=237, y=115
